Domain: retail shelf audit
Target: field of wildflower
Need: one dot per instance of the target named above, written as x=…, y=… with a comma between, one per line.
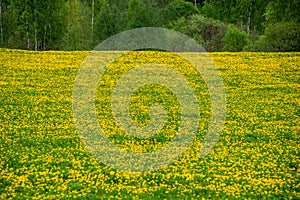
x=257, y=156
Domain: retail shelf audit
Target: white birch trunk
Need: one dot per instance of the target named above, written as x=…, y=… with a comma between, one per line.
x=93, y=16
x=45, y=32
x=1, y=25
x=249, y=21
x=35, y=40
x=27, y=34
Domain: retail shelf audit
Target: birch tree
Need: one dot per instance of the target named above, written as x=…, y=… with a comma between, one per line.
x=1, y=23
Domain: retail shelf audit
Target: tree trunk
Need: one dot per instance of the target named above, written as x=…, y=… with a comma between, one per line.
x=1, y=25
x=249, y=17
x=241, y=18
x=50, y=36
x=45, y=32
x=68, y=24
x=35, y=27
x=35, y=40
x=35, y=32
x=249, y=21
x=93, y=16
x=27, y=33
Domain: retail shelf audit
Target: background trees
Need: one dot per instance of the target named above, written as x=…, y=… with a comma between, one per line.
x=106, y=21
x=271, y=25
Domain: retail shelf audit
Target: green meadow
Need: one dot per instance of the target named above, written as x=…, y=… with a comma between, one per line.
x=256, y=157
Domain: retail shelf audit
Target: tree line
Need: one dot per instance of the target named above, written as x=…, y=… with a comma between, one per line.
x=219, y=25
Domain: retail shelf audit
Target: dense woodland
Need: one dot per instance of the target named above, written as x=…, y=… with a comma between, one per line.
x=219, y=25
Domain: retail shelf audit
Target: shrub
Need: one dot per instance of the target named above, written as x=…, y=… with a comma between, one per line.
x=259, y=45
x=283, y=36
x=176, y=9
x=235, y=40
x=206, y=31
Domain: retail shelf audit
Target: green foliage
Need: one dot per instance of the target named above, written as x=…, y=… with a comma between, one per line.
x=106, y=22
x=282, y=10
x=283, y=36
x=258, y=45
x=177, y=9
x=236, y=12
x=80, y=24
x=207, y=32
x=134, y=15
x=72, y=34
x=32, y=24
x=235, y=40
x=138, y=14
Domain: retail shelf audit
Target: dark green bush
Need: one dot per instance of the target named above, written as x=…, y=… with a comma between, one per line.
x=235, y=40
x=283, y=36
x=260, y=44
x=176, y=9
x=206, y=31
